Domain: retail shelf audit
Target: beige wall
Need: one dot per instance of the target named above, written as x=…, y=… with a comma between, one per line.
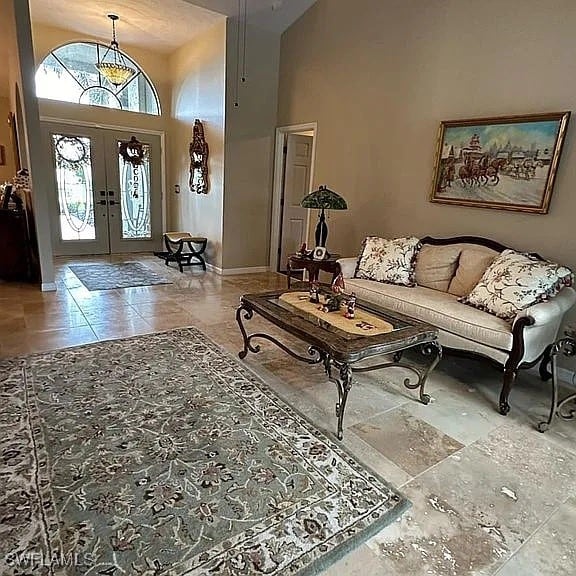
x=378, y=78
x=7, y=171
x=197, y=72
x=235, y=214
x=4, y=71
x=250, y=128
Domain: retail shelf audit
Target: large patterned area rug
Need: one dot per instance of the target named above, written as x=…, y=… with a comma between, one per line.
x=163, y=455
x=120, y=275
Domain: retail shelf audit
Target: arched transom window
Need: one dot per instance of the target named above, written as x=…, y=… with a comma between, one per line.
x=69, y=74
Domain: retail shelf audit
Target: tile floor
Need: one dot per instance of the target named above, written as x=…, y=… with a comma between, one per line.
x=490, y=495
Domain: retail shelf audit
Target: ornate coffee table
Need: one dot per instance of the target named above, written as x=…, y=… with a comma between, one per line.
x=338, y=343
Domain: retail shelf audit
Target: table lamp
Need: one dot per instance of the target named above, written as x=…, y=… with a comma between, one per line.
x=323, y=199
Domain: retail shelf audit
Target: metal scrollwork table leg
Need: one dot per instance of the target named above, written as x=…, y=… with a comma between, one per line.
x=244, y=310
x=562, y=409
x=343, y=376
x=343, y=383
x=343, y=379
x=432, y=349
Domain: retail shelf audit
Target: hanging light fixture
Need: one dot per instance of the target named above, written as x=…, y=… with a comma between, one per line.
x=113, y=65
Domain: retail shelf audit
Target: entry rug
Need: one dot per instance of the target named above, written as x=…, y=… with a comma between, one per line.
x=163, y=455
x=120, y=275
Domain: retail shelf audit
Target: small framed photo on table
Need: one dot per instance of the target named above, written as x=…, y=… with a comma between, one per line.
x=319, y=253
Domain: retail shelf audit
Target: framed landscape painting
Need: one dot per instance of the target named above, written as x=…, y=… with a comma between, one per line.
x=507, y=163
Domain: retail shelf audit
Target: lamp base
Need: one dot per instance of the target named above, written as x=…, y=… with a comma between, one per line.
x=321, y=233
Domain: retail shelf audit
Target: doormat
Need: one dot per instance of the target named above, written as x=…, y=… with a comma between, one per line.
x=162, y=454
x=120, y=275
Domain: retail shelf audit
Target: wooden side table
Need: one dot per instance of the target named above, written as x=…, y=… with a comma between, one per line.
x=565, y=408
x=313, y=267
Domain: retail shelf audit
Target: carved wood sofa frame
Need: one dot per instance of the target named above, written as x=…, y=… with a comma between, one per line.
x=514, y=362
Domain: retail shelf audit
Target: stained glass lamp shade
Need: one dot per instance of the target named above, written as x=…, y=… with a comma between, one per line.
x=323, y=199
x=113, y=66
x=117, y=74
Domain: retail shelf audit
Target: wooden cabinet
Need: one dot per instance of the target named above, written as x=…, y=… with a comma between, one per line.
x=15, y=255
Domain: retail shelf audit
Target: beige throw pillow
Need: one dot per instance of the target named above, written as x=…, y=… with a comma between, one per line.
x=390, y=261
x=436, y=265
x=471, y=267
x=515, y=281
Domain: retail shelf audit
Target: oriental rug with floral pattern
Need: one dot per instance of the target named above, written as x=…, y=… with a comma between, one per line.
x=116, y=275
x=163, y=455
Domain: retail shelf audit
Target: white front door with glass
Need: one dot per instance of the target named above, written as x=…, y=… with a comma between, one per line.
x=106, y=190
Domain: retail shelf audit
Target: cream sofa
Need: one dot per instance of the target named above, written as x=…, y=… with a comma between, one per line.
x=460, y=265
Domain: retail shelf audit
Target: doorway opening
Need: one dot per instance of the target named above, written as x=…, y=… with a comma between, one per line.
x=100, y=201
x=293, y=176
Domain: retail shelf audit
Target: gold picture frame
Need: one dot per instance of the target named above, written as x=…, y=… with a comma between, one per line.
x=504, y=163
x=15, y=141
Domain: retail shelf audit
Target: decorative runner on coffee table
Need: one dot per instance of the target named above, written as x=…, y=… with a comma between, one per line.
x=363, y=322
x=163, y=455
x=117, y=275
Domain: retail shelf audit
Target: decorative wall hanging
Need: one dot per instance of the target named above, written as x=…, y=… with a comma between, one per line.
x=14, y=138
x=506, y=163
x=133, y=153
x=198, y=160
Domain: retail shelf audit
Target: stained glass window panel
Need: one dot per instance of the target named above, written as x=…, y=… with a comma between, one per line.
x=135, y=197
x=75, y=190
x=69, y=74
x=54, y=82
x=96, y=96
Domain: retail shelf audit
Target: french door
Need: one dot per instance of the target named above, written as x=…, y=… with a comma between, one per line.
x=101, y=201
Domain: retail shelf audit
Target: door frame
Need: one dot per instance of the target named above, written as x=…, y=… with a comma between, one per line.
x=122, y=128
x=275, y=229
x=100, y=244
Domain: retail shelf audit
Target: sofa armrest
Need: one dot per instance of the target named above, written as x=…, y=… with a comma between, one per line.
x=348, y=266
x=542, y=322
x=552, y=310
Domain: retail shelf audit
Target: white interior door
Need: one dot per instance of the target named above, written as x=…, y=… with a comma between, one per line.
x=101, y=204
x=296, y=186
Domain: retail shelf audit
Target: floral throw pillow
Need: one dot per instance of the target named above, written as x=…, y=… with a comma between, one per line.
x=391, y=261
x=515, y=281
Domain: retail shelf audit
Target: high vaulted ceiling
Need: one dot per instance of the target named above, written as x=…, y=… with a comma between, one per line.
x=274, y=15
x=157, y=25
x=161, y=25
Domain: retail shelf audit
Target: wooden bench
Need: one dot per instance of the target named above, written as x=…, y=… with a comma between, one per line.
x=175, y=243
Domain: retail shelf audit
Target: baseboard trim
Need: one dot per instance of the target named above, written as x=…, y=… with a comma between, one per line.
x=232, y=271
x=48, y=287
x=565, y=376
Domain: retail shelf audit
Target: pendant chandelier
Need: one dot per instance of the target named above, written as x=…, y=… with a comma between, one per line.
x=113, y=65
